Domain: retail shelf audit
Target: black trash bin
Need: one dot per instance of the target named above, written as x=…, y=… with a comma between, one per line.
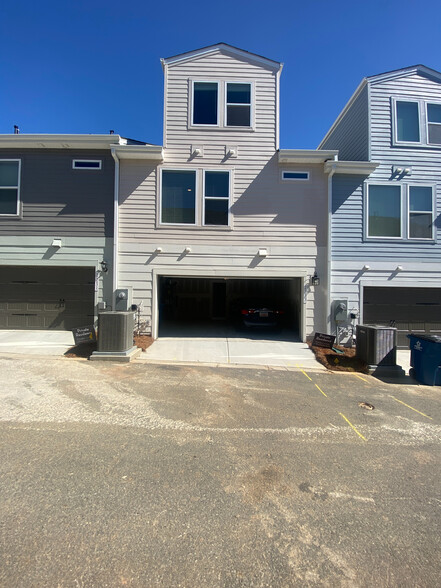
x=425, y=359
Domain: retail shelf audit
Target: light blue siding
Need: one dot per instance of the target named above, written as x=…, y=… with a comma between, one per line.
x=351, y=135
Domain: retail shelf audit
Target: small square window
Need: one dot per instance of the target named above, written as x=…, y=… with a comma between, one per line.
x=9, y=186
x=205, y=103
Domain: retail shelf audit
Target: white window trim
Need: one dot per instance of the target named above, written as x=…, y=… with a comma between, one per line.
x=432, y=187
x=249, y=83
x=74, y=161
x=196, y=203
x=193, y=125
x=396, y=141
x=204, y=198
x=17, y=213
x=367, y=237
x=294, y=171
x=426, y=104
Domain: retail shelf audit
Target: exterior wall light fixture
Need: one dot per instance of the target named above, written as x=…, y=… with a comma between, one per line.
x=315, y=280
x=104, y=266
x=262, y=252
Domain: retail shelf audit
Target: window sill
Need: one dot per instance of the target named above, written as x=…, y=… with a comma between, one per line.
x=195, y=227
x=397, y=240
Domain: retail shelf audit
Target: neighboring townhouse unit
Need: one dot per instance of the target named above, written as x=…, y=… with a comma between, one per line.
x=56, y=229
x=386, y=223
x=219, y=214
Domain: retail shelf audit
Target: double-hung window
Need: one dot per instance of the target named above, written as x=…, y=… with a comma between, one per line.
x=216, y=197
x=9, y=187
x=400, y=211
x=235, y=99
x=416, y=122
x=420, y=199
x=195, y=197
x=238, y=105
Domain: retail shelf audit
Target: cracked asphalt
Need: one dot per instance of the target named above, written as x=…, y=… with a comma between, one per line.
x=162, y=475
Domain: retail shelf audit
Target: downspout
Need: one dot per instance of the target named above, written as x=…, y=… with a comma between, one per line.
x=329, y=248
x=115, y=227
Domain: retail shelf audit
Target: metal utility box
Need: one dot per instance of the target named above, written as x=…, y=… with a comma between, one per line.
x=377, y=345
x=340, y=311
x=115, y=331
x=123, y=299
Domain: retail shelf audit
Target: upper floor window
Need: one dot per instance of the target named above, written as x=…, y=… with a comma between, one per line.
x=238, y=105
x=9, y=186
x=394, y=211
x=195, y=197
x=295, y=175
x=416, y=122
x=205, y=103
x=223, y=104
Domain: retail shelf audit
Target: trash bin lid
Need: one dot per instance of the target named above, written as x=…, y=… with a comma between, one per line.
x=432, y=338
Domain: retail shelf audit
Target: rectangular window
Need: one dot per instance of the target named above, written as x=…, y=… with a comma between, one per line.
x=434, y=123
x=178, y=197
x=216, y=197
x=384, y=211
x=420, y=212
x=86, y=164
x=295, y=175
x=205, y=103
x=408, y=122
x=9, y=186
x=238, y=105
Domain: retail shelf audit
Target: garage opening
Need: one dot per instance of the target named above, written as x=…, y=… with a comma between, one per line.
x=410, y=310
x=58, y=298
x=213, y=307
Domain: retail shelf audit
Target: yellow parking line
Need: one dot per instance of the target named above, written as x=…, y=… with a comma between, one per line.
x=411, y=408
x=351, y=425
x=360, y=378
x=304, y=373
x=321, y=391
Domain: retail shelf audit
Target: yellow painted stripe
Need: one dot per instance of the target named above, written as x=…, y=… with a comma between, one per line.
x=318, y=387
x=351, y=425
x=305, y=374
x=411, y=408
x=360, y=378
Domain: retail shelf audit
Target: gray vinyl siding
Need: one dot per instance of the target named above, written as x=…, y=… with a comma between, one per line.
x=348, y=240
x=351, y=135
x=57, y=200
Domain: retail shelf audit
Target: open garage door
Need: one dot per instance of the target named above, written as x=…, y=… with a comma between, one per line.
x=214, y=304
x=58, y=298
x=416, y=310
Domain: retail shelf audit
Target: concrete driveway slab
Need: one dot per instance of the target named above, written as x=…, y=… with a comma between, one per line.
x=35, y=342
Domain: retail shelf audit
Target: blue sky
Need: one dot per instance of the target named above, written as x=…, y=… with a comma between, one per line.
x=88, y=67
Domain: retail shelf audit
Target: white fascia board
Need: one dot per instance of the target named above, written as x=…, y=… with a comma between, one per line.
x=345, y=109
x=363, y=168
x=306, y=155
x=224, y=47
x=151, y=152
x=405, y=72
x=60, y=141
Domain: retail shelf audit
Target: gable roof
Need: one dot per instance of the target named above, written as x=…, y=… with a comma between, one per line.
x=420, y=69
x=224, y=48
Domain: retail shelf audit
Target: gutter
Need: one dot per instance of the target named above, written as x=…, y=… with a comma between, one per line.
x=332, y=166
x=115, y=226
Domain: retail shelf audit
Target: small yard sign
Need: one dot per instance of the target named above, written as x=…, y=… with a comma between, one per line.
x=323, y=340
x=84, y=334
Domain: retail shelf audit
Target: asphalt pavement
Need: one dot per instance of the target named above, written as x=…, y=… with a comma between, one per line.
x=162, y=475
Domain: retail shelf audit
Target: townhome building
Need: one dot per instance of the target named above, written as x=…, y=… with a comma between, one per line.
x=386, y=223
x=56, y=229
x=219, y=213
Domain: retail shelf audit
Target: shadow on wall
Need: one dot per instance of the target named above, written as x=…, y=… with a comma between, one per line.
x=289, y=203
x=135, y=174
x=343, y=188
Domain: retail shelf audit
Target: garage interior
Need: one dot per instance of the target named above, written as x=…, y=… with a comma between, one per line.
x=210, y=307
x=46, y=298
x=410, y=310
